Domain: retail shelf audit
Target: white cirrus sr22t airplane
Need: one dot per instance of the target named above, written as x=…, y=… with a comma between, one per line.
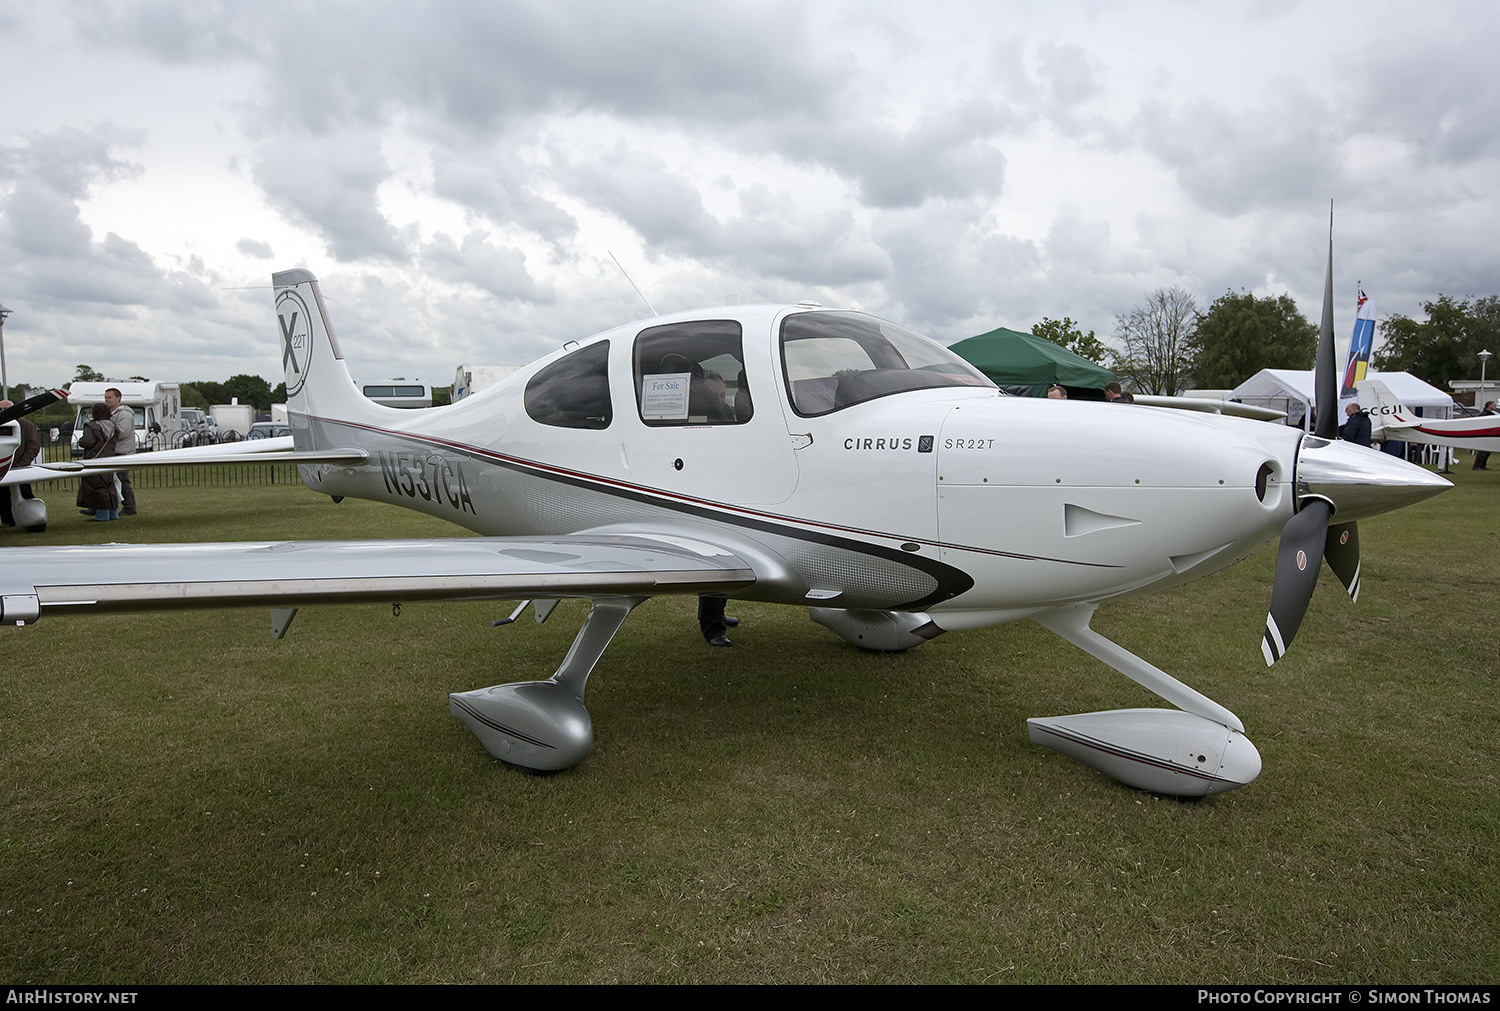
x=790, y=454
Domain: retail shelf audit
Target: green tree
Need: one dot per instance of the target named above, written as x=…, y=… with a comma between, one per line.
x=1241, y=334
x=193, y=397
x=211, y=392
x=1445, y=347
x=1068, y=334
x=1154, y=336
x=88, y=374
x=250, y=390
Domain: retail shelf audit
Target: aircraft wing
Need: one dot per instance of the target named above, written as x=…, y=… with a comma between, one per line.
x=277, y=450
x=35, y=582
x=1231, y=407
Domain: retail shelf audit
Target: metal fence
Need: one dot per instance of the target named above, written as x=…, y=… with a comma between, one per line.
x=182, y=475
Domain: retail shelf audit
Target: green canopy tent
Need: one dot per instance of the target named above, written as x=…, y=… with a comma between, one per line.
x=1013, y=359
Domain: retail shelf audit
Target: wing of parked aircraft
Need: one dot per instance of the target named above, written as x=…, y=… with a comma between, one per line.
x=1231, y=408
x=140, y=577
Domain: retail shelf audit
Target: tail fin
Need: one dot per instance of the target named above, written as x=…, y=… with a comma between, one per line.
x=1384, y=408
x=318, y=383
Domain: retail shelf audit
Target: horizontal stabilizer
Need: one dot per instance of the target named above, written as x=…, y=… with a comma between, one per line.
x=277, y=450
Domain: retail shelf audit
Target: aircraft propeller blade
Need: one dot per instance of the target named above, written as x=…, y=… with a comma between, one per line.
x=1297, y=563
x=1325, y=385
x=1341, y=552
x=30, y=404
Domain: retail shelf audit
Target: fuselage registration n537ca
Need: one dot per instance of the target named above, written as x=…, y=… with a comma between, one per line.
x=789, y=454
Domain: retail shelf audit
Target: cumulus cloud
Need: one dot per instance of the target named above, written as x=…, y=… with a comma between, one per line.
x=82, y=298
x=494, y=182
x=773, y=235
x=329, y=183
x=475, y=261
x=44, y=241
x=1230, y=160
x=459, y=169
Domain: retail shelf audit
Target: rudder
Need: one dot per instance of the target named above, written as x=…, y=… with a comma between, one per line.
x=318, y=384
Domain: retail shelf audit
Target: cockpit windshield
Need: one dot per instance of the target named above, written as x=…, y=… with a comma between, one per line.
x=834, y=360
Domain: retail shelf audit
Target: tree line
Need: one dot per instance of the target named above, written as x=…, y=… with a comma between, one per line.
x=1167, y=345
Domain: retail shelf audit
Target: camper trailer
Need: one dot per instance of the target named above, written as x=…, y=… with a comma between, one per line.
x=157, y=408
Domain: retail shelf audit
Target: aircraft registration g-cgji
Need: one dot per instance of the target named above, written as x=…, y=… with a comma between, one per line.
x=791, y=454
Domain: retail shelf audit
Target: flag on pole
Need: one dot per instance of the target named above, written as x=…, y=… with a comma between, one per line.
x=1359, y=343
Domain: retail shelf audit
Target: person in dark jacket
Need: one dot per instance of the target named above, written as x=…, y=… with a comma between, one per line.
x=96, y=492
x=1357, y=428
x=1482, y=460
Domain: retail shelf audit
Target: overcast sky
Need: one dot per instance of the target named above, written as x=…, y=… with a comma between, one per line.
x=457, y=173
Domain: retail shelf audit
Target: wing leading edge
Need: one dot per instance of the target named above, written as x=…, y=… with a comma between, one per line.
x=36, y=582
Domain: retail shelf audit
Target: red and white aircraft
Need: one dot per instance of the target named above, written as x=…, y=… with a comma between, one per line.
x=791, y=454
x=1390, y=419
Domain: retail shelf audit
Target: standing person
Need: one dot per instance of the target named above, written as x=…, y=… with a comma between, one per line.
x=123, y=418
x=31, y=448
x=1357, y=428
x=713, y=622
x=1482, y=460
x=96, y=492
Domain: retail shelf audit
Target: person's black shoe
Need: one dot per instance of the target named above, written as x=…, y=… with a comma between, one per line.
x=86, y=512
x=127, y=512
x=731, y=622
x=720, y=640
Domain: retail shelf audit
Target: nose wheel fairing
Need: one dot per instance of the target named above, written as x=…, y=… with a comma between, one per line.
x=1193, y=751
x=1161, y=750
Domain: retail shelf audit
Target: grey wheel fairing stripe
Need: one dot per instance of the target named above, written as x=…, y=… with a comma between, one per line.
x=952, y=581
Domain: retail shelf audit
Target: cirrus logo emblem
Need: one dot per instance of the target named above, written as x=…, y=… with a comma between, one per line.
x=1301, y=560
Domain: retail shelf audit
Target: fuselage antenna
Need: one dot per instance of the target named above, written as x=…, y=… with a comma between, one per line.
x=634, y=285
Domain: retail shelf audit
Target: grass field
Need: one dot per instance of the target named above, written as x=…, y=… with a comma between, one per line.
x=189, y=801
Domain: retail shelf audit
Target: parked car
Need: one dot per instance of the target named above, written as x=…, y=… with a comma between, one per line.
x=267, y=430
x=197, y=428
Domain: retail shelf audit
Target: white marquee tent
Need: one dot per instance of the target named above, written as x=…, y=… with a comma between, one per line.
x=1291, y=390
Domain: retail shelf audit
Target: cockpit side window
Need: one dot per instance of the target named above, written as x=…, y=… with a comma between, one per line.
x=834, y=360
x=692, y=374
x=573, y=392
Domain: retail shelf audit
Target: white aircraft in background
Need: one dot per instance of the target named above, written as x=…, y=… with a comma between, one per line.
x=789, y=454
x=1392, y=420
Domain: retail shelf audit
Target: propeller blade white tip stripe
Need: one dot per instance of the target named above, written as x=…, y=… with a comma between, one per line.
x=1271, y=645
